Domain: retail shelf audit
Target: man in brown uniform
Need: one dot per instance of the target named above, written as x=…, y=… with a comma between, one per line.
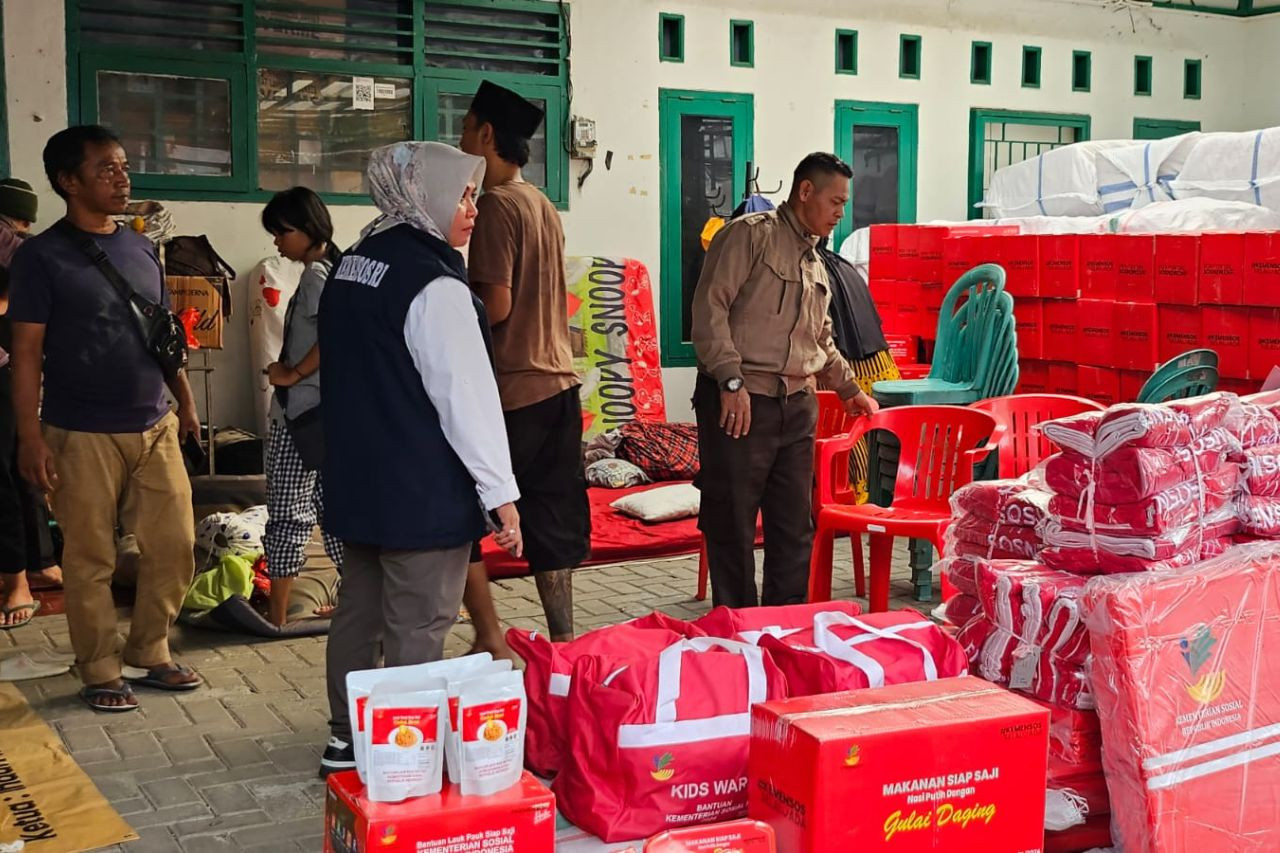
x=516, y=267
x=762, y=334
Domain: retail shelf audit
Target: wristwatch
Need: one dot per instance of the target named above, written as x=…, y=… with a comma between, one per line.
x=732, y=385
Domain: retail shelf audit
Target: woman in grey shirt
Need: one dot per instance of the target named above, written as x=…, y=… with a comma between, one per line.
x=303, y=231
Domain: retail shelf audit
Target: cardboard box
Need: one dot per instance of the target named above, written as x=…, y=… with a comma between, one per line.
x=883, y=261
x=1059, y=266
x=1226, y=329
x=1096, y=323
x=1135, y=256
x=1100, y=384
x=911, y=313
x=1061, y=341
x=1131, y=382
x=1028, y=316
x=1179, y=330
x=204, y=295
x=908, y=253
x=1262, y=270
x=955, y=764
x=1264, y=341
x=1177, y=269
x=962, y=253
x=1137, y=337
x=1064, y=377
x=884, y=293
x=521, y=818
x=1097, y=266
x=905, y=349
x=1021, y=262
x=1033, y=377
x=738, y=836
x=929, y=246
x=1221, y=269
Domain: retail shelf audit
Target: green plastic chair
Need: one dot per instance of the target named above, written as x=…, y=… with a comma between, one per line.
x=976, y=355
x=1189, y=375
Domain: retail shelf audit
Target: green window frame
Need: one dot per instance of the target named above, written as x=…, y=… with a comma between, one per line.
x=673, y=105
x=1081, y=71
x=433, y=46
x=742, y=44
x=1162, y=128
x=980, y=63
x=1031, y=67
x=906, y=119
x=1192, y=79
x=910, y=56
x=670, y=37
x=846, y=51
x=1143, y=73
x=979, y=119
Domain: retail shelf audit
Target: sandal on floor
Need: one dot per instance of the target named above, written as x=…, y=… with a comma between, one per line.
x=156, y=678
x=33, y=606
x=124, y=691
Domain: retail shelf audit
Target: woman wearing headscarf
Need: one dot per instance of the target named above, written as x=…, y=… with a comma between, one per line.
x=416, y=462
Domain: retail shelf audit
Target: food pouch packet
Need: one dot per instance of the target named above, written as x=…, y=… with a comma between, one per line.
x=404, y=735
x=492, y=712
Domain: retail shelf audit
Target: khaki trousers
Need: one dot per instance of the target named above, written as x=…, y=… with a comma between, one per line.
x=136, y=481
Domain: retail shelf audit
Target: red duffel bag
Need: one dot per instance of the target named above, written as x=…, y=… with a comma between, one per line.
x=749, y=624
x=547, y=673
x=842, y=652
x=662, y=743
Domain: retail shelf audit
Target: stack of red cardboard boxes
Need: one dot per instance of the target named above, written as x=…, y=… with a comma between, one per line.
x=1097, y=312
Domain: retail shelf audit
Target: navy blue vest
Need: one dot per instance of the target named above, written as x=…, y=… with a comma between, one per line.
x=390, y=477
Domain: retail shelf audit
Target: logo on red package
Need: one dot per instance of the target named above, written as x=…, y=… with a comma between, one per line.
x=1197, y=647
x=388, y=835
x=853, y=757
x=662, y=769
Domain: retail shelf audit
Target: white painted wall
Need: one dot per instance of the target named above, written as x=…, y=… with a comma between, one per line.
x=616, y=77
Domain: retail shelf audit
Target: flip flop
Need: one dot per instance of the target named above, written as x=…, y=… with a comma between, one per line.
x=34, y=607
x=155, y=678
x=89, y=694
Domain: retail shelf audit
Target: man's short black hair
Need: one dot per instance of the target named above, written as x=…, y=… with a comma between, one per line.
x=64, y=152
x=817, y=167
x=509, y=144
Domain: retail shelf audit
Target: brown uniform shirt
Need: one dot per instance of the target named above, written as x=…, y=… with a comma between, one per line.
x=760, y=309
x=518, y=240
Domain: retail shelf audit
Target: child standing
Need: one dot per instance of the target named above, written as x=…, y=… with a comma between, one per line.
x=303, y=231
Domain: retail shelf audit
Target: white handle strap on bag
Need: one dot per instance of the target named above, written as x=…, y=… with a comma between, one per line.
x=752, y=638
x=844, y=650
x=666, y=729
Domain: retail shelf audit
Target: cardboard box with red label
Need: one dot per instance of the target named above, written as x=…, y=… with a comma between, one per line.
x=1028, y=315
x=1060, y=330
x=908, y=253
x=905, y=349
x=1262, y=270
x=929, y=267
x=1100, y=384
x=1264, y=341
x=884, y=293
x=1135, y=267
x=1177, y=268
x=1131, y=382
x=1033, y=377
x=521, y=819
x=1097, y=266
x=1064, y=377
x=1221, y=269
x=956, y=764
x=1226, y=330
x=1096, y=324
x=1180, y=330
x=738, y=836
x=1020, y=257
x=1136, y=336
x=883, y=261
x=1059, y=266
x=912, y=318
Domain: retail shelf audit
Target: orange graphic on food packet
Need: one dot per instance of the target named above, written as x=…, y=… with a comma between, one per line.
x=853, y=757
x=662, y=769
x=388, y=835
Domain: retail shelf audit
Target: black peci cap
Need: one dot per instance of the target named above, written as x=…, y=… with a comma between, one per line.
x=506, y=110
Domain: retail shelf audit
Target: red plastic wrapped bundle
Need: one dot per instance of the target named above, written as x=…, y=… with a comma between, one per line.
x=1163, y=546
x=1092, y=834
x=1000, y=657
x=1092, y=562
x=1007, y=502
x=1260, y=516
x=1135, y=473
x=1262, y=471
x=1189, y=502
x=1075, y=737
x=1185, y=671
x=961, y=608
x=994, y=536
x=1257, y=426
x=1090, y=789
x=1020, y=598
x=961, y=572
x=1143, y=425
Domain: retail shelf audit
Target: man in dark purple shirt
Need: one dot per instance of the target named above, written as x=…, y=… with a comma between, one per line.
x=105, y=444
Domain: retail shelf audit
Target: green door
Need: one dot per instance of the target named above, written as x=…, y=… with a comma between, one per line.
x=1161, y=128
x=706, y=141
x=879, y=142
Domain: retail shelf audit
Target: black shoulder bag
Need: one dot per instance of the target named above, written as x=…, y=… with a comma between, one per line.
x=161, y=331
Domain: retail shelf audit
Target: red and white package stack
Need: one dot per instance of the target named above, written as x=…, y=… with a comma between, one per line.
x=997, y=519
x=1260, y=475
x=1143, y=487
x=1184, y=675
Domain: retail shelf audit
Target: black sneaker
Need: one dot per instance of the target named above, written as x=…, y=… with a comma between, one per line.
x=338, y=755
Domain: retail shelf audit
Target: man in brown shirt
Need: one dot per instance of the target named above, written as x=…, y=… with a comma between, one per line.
x=762, y=334
x=516, y=267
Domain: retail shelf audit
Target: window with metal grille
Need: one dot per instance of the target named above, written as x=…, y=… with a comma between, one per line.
x=203, y=116
x=999, y=138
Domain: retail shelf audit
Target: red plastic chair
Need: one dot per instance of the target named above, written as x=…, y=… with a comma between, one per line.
x=940, y=446
x=833, y=421
x=1022, y=447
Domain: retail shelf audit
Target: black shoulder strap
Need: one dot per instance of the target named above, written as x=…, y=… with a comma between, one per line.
x=98, y=258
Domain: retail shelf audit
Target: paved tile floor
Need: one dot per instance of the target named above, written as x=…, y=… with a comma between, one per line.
x=232, y=766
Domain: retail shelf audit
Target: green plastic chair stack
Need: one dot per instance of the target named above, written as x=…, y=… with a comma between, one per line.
x=1189, y=375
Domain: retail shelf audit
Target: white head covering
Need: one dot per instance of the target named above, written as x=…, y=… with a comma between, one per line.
x=420, y=183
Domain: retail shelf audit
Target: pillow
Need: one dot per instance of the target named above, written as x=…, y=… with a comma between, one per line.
x=615, y=474
x=665, y=503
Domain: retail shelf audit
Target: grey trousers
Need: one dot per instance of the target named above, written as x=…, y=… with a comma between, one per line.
x=399, y=603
